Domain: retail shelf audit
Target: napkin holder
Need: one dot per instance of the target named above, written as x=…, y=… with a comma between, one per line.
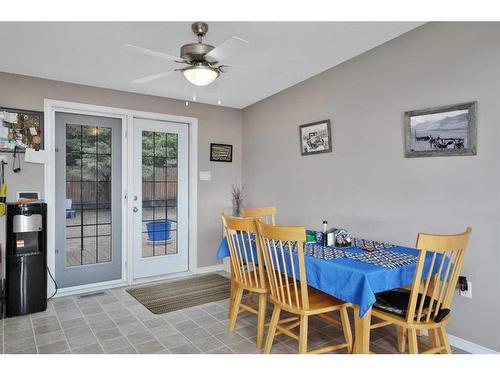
x=338, y=237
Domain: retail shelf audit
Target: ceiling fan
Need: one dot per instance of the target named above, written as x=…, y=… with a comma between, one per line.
x=203, y=60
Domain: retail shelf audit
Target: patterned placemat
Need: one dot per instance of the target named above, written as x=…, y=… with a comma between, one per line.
x=383, y=258
x=377, y=245
x=322, y=252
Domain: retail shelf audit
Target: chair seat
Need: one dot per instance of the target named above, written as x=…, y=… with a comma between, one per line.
x=251, y=284
x=319, y=302
x=396, y=302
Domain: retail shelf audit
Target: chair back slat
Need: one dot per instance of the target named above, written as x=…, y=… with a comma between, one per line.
x=264, y=214
x=436, y=275
x=279, y=272
x=444, y=281
x=453, y=280
x=252, y=256
x=268, y=261
x=294, y=275
x=426, y=285
x=287, y=284
x=277, y=268
x=238, y=256
x=244, y=249
x=240, y=243
x=283, y=253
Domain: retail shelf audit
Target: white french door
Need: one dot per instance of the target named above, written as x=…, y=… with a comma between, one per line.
x=160, y=197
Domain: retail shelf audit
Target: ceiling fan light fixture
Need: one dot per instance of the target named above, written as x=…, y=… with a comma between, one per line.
x=200, y=74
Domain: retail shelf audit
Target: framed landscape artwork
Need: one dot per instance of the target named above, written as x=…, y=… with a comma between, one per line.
x=441, y=131
x=315, y=138
x=221, y=152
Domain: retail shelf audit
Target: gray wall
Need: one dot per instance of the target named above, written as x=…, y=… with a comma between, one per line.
x=366, y=185
x=215, y=124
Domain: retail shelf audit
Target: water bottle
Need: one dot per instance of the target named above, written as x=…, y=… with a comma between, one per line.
x=325, y=228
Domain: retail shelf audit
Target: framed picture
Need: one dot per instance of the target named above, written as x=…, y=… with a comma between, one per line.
x=315, y=138
x=21, y=128
x=441, y=131
x=221, y=152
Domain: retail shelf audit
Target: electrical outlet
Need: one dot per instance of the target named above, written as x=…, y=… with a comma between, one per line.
x=467, y=293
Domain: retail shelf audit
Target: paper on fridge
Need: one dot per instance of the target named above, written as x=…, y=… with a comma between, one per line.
x=4, y=134
x=34, y=156
x=9, y=117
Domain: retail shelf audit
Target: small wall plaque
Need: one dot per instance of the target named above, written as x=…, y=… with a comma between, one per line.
x=221, y=152
x=315, y=138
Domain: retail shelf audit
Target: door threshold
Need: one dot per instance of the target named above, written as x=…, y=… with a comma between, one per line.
x=169, y=276
x=89, y=288
x=219, y=268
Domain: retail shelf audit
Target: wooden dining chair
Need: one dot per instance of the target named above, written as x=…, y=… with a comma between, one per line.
x=427, y=304
x=247, y=270
x=289, y=291
x=264, y=214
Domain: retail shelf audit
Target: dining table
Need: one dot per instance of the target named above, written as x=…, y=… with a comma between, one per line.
x=354, y=274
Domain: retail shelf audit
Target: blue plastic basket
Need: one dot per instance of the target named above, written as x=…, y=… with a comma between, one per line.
x=159, y=230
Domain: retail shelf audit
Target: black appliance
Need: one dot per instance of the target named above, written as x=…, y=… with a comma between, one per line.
x=26, y=259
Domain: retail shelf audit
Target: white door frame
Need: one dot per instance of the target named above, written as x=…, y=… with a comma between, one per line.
x=127, y=116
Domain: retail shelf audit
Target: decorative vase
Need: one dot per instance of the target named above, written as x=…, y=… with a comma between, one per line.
x=237, y=206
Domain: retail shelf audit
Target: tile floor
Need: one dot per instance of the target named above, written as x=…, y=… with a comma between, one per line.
x=115, y=322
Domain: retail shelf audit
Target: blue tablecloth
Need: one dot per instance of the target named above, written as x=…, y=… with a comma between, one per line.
x=352, y=280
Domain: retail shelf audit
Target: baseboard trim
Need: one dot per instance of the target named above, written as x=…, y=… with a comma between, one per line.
x=208, y=269
x=468, y=346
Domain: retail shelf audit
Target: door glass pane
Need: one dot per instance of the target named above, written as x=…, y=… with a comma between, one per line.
x=159, y=193
x=88, y=195
x=89, y=139
x=103, y=167
x=104, y=141
x=103, y=243
x=89, y=231
x=89, y=253
x=104, y=215
x=89, y=167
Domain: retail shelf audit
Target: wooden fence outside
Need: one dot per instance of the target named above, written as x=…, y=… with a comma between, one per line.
x=86, y=191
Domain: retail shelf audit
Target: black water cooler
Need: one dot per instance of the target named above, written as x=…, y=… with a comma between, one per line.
x=26, y=259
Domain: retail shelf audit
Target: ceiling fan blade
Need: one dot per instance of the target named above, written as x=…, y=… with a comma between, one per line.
x=228, y=47
x=234, y=66
x=150, y=52
x=151, y=77
x=226, y=68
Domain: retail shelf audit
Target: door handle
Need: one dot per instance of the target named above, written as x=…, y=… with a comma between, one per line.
x=135, y=209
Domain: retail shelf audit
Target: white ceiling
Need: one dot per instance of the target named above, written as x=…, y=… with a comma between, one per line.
x=280, y=54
